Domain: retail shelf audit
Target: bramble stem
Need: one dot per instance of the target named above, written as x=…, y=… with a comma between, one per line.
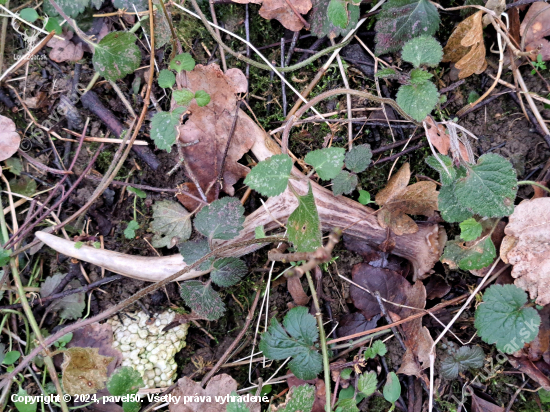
x=530, y=182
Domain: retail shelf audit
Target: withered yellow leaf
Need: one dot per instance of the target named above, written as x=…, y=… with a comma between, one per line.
x=84, y=370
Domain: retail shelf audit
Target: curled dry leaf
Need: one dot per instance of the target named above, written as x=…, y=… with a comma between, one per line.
x=9, y=138
x=528, y=232
x=398, y=200
x=481, y=405
x=466, y=48
x=210, y=126
x=441, y=140
x=84, y=370
x=65, y=50
x=535, y=28
x=286, y=11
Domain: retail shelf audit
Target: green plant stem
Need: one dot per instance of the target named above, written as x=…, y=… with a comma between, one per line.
x=322, y=341
x=92, y=82
x=530, y=182
x=14, y=312
x=136, y=26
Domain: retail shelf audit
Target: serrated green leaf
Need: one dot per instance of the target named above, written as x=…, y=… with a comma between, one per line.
x=78, y=245
x=358, y=158
x=344, y=182
x=465, y=358
x=68, y=307
x=234, y=405
x=204, y=300
x=449, y=206
x=221, y=219
x=53, y=25
x=337, y=13
x=181, y=62
x=364, y=197
x=544, y=395
x=166, y=79
x=124, y=381
x=140, y=5
x=276, y=343
x=366, y=384
x=418, y=100
x=377, y=348
x=346, y=404
x=130, y=231
x=11, y=357
x=387, y=72
x=71, y=8
x=193, y=250
x=29, y=14
x=419, y=76
x=298, y=399
x=14, y=165
x=171, y=224
x=163, y=128
x=138, y=192
x=116, y=55
x=131, y=406
x=26, y=405
x=477, y=256
x=448, y=176
x=470, y=229
x=202, y=98
x=392, y=388
x=422, y=50
x=489, y=188
x=259, y=232
x=4, y=257
x=402, y=20
x=327, y=162
x=502, y=318
x=321, y=24
x=183, y=97
x=346, y=373
x=270, y=177
x=228, y=271
x=304, y=226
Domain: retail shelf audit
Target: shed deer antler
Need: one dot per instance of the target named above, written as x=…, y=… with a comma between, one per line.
x=422, y=248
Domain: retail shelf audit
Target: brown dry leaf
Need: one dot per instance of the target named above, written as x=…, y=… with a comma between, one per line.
x=481, y=405
x=535, y=28
x=210, y=126
x=529, y=225
x=84, y=370
x=9, y=138
x=65, y=50
x=296, y=290
x=282, y=10
x=441, y=140
x=540, y=347
x=533, y=370
x=219, y=385
x=398, y=199
x=466, y=48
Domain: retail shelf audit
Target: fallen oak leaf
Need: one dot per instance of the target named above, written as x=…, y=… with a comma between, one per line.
x=288, y=12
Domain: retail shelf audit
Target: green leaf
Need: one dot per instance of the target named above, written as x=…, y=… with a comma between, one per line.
x=402, y=20
x=78, y=245
x=296, y=341
x=298, y=399
x=116, y=55
x=270, y=177
x=448, y=176
x=181, y=62
x=449, y=206
x=11, y=357
x=358, y=158
x=202, y=98
x=163, y=128
x=53, y=25
x=489, y=188
x=327, y=162
x=193, y=250
x=364, y=197
x=544, y=395
x=24, y=406
x=392, y=388
x=346, y=373
x=366, y=384
x=259, y=232
x=131, y=406
x=130, y=231
x=236, y=405
x=71, y=8
x=14, y=165
x=321, y=24
x=4, y=257
x=141, y=5
x=124, y=381
x=228, y=271
x=29, y=14
x=377, y=348
x=476, y=256
x=419, y=76
x=166, y=79
x=418, y=100
x=23, y=185
x=221, y=219
x=304, y=226
x=473, y=96
x=171, y=224
x=344, y=182
x=503, y=319
x=470, y=229
x=64, y=339
x=337, y=12
x=422, y=50
x=387, y=72
x=183, y=96
x=204, y=300
x=346, y=404
x=68, y=307
x=467, y=357
x=138, y=192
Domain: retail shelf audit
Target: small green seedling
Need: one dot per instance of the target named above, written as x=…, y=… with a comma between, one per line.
x=62, y=343
x=392, y=389
x=126, y=381
x=538, y=65
x=133, y=225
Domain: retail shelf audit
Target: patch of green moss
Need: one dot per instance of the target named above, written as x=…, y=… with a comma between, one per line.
x=378, y=404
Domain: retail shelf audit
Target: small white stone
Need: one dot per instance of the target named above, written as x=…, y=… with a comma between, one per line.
x=157, y=323
x=140, y=368
x=158, y=372
x=133, y=328
x=163, y=376
x=143, y=333
x=163, y=384
x=150, y=346
x=149, y=374
x=149, y=366
x=153, y=359
x=157, y=379
x=140, y=343
x=125, y=348
x=151, y=383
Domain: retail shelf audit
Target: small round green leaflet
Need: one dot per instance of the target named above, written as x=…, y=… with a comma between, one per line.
x=11, y=357
x=392, y=388
x=358, y=158
x=183, y=96
x=418, y=100
x=470, y=229
x=166, y=79
x=327, y=162
x=202, y=299
x=193, y=250
x=181, y=62
x=228, y=271
x=337, y=13
x=163, y=128
x=29, y=15
x=344, y=182
x=270, y=177
x=221, y=219
x=53, y=25
x=116, y=55
x=366, y=384
x=202, y=98
x=504, y=320
x=419, y=76
x=124, y=381
x=422, y=50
